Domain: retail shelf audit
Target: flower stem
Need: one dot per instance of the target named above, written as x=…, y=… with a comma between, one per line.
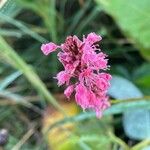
x=141, y=145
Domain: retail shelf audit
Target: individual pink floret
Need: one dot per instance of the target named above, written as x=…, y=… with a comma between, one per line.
x=69, y=90
x=48, y=48
x=84, y=65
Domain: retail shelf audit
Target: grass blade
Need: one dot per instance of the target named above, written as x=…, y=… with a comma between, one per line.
x=78, y=17
x=88, y=19
x=8, y=80
x=9, y=7
x=22, y=27
x=20, y=100
x=28, y=72
x=13, y=33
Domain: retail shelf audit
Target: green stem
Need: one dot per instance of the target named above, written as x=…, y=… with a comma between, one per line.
x=141, y=145
x=117, y=140
x=129, y=100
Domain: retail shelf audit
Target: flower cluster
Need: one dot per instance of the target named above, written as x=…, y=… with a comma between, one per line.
x=83, y=64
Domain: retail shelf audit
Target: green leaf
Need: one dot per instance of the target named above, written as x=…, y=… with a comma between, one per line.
x=13, y=33
x=8, y=80
x=78, y=16
x=136, y=122
x=133, y=18
x=142, y=75
x=48, y=13
x=89, y=18
x=22, y=27
x=9, y=7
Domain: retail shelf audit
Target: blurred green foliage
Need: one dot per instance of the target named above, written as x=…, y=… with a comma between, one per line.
x=26, y=76
x=133, y=19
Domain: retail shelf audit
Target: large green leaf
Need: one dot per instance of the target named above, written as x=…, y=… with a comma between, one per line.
x=133, y=18
x=136, y=122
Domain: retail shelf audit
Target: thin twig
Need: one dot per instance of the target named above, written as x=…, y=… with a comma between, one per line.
x=24, y=139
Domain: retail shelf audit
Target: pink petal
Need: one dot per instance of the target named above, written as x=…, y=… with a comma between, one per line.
x=93, y=38
x=105, y=76
x=63, y=78
x=98, y=113
x=48, y=48
x=69, y=90
x=81, y=96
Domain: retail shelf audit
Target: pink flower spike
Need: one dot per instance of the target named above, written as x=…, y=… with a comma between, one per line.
x=84, y=71
x=48, y=48
x=69, y=90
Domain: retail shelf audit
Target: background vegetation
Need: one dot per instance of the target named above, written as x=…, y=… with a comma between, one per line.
x=33, y=109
